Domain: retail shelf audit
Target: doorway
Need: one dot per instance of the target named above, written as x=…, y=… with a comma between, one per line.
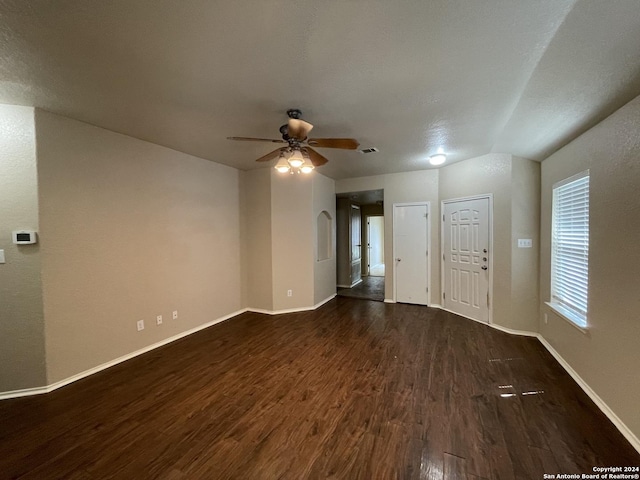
x=466, y=277
x=411, y=252
x=360, y=241
x=375, y=246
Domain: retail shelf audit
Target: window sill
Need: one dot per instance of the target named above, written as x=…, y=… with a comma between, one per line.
x=562, y=313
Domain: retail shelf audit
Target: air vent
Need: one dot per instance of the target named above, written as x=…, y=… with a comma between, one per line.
x=368, y=150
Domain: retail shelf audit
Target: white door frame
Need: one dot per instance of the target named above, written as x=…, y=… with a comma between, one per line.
x=393, y=233
x=488, y=196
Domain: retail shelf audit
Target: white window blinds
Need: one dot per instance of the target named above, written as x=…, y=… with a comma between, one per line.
x=570, y=248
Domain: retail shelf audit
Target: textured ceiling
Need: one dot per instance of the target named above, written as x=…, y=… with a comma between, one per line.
x=467, y=76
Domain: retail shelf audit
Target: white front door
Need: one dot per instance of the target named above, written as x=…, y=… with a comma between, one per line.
x=466, y=258
x=410, y=234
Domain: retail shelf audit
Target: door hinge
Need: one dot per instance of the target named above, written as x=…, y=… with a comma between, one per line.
x=425, y=215
x=443, y=256
x=444, y=295
x=443, y=218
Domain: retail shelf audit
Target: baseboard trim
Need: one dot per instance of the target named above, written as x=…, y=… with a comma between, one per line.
x=626, y=432
x=292, y=310
x=78, y=376
x=25, y=392
x=389, y=300
x=524, y=333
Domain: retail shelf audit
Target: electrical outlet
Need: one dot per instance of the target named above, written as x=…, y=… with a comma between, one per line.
x=140, y=325
x=175, y=314
x=289, y=293
x=159, y=320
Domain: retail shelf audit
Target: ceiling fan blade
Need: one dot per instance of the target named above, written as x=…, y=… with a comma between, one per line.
x=345, y=143
x=251, y=139
x=316, y=159
x=299, y=129
x=271, y=155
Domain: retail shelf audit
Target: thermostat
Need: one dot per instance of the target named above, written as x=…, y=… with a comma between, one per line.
x=24, y=237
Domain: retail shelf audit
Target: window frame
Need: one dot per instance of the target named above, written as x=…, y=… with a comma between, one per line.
x=568, y=308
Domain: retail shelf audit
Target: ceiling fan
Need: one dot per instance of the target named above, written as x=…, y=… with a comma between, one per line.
x=298, y=153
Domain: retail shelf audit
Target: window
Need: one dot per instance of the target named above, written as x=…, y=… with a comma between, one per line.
x=570, y=248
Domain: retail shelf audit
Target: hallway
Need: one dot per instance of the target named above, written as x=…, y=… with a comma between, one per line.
x=371, y=288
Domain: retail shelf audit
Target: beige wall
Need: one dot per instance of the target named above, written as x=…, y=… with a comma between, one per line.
x=419, y=186
x=477, y=176
x=129, y=230
x=22, y=358
x=324, y=271
x=256, y=239
x=292, y=248
x=514, y=184
x=525, y=224
x=608, y=356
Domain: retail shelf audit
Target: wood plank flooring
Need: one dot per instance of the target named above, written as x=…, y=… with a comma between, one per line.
x=371, y=288
x=354, y=390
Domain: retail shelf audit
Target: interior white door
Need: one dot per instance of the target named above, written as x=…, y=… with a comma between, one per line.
x=410, y=233
x=356, y=245
x=466, y=258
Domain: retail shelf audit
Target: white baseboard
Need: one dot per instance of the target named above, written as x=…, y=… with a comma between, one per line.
x=628, y=434
x=291, y=310
x=25, y=392
x=512, y=331
x=389, y=300
x=343, y=286
x=54, y=386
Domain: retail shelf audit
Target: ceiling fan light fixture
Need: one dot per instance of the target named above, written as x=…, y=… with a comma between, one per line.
x=307, y=167
x=437, y=159
x=296, y=159
x=282, y=166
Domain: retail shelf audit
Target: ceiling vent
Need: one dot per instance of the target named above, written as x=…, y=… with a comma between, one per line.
x=368, y=150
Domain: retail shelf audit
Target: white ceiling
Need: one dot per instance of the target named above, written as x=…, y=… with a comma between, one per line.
x=408, y=77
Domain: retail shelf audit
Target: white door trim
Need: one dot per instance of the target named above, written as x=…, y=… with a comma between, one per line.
x=393, y=243
x=488, y=196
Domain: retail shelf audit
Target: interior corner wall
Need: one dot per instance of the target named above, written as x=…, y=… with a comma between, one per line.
x=292, y=241
x=418, y=186
x=607, y=357
x=129, y=230
x=525, y=262
x=257, y=239
x=22, y=352
x=324, y=271
x=477, y=176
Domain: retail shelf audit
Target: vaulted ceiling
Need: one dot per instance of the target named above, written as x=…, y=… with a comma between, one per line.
x=408, y=77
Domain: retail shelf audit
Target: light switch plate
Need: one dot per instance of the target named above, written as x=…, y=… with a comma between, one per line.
x=2, y=256
x=525, y=243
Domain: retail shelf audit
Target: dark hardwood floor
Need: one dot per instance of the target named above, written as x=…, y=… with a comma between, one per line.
x=354, y=390
x=371, y=288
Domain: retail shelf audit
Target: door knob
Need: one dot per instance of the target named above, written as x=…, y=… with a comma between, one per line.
x=484, y=250
x=398, y=259
x=484, y=267
x=484, y=259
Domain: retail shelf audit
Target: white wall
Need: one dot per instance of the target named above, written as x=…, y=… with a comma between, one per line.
x=607, y=357
x=129, y=230
x=22, y=356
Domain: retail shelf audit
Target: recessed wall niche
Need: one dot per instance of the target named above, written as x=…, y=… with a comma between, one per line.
x=324, y=236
